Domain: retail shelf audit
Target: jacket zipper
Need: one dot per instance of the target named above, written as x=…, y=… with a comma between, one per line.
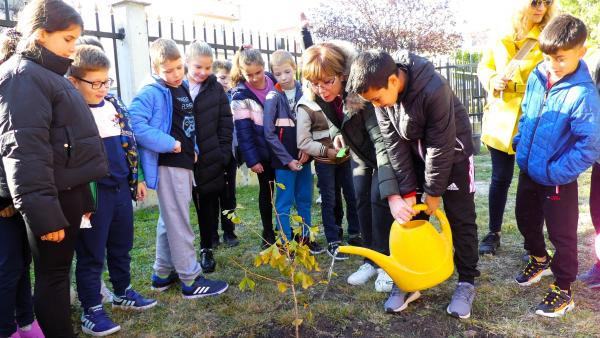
x=536, y=125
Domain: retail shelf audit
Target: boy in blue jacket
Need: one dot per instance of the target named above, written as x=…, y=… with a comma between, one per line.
x=163, y=121
x=558, y=139
x=290, y=164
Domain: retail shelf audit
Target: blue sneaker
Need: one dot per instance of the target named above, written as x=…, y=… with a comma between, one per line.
x=203, y=287
x=591, y=278
x=132, y=301
x=95, y=322
x=161, y=284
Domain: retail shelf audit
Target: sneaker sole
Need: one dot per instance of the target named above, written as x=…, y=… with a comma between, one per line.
x=134, y=308
x=558, y=313
x=316, y=252
x=456, y=315
x=202, y=295
x=160, y=288
x=414, y=296
x=536, y=279
x=337, y=258
x=100, y=334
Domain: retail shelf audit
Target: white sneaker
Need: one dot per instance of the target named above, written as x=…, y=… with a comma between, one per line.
x=362, y=275
x=383, y=283
x=107, y=296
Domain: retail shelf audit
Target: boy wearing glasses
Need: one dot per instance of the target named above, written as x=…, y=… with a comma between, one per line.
x=558, y=139
x=111, y=229
x=427, y=134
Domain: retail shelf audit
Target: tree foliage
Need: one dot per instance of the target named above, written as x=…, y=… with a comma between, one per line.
x=424, y=26
x=589, y=12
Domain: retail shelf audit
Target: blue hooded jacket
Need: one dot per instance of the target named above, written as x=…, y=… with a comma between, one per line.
x=151, y=114
x=559, y=131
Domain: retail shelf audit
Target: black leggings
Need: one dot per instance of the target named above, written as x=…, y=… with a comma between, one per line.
x=52, y=263
x=265, y=182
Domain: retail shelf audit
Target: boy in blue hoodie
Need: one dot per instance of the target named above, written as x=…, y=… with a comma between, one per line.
x=290, y=164
x=163, y=122
x=558, y=139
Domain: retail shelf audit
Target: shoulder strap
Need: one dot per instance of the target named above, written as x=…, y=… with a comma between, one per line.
x=512, y=64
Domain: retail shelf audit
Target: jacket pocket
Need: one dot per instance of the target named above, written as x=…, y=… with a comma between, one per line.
x=60, y=139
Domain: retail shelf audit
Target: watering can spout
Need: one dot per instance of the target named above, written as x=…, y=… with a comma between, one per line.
x=387, y=263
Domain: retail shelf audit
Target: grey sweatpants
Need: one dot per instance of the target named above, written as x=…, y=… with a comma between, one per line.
x=174, y=235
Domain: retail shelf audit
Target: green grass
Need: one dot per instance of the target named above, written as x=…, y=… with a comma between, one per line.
x=501, y=308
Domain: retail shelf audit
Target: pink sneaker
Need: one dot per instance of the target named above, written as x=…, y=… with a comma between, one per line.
x=31, y=331
x=15, y=335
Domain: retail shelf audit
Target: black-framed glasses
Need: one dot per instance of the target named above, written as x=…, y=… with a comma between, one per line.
x=98, y=84
x=538, y=3
x=323, y=85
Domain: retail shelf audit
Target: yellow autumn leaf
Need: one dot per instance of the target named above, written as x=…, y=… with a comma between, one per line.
x=297, y=322
x=282, y=287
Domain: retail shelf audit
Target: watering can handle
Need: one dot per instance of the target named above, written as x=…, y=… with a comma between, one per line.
x=439, y=214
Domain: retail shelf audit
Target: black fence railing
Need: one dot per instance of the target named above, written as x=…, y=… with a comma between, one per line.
x=225, y=41
x=108, y=37
x=465, y=84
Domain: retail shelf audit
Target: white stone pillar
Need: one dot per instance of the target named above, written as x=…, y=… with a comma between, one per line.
x=132, y=51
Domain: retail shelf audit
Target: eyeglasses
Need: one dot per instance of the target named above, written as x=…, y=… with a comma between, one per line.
x=323, y=85
x=98, y=84
x=538, y=3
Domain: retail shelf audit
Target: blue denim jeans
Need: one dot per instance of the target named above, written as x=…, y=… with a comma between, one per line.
x=299, y=191
x=327, y=174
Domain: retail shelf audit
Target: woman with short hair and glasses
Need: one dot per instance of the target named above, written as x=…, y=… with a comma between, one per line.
x=503, y=72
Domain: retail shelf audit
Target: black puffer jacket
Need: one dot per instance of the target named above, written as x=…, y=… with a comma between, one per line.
x=428, y=123
x=214, y=133
x=361, y=133
x=48, y=140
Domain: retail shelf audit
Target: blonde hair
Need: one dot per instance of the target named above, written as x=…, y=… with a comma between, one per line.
x=323, y=60
x=163, y=50
x=88, y=58
x=281, y=57
x=519, y=19
x=244, y=56
x=197, y=49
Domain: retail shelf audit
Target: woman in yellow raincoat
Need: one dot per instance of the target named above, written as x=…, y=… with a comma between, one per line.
x=504, y=74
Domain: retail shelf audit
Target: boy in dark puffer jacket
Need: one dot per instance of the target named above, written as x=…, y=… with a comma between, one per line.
x=427, y=133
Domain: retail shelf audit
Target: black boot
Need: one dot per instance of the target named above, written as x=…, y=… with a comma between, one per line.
x=230, y=240
x=489, y=244
x=207, y=261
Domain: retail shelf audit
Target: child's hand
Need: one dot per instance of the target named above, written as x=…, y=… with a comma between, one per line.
x=56, y=236
x=338, y=142
x=177, y=148
x=142, y=191
x=303, y=157
x=331, y=153
x=433, y=203
x=257, y=168
x=402, y=208
x=9, y=211
x=294, y=165
x=499, y=83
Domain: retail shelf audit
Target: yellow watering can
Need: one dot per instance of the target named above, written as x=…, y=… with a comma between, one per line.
x=420, y=256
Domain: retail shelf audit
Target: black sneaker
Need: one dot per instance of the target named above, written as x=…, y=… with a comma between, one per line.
x=231, y=240
x=207, y=261
x=161, y=284
x=315, y=248
x=203, y=287
x=556, y=303
x=215, y=241
x=355, y=240
x=534, y=271
x=332, y=250
x=489, y=244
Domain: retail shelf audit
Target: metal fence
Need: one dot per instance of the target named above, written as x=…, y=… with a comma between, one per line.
x=225, y=40
x=107, y=35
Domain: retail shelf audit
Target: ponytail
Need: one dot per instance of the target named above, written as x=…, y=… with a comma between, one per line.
x=8, y=44
x=245, y=56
